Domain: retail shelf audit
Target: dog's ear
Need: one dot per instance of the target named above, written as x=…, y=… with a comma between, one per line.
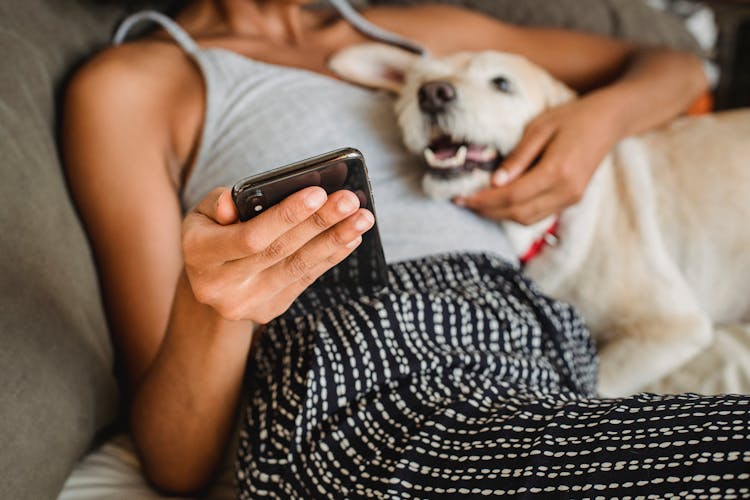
x=375, y=65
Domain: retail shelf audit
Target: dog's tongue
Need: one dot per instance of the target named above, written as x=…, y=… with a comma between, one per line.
x=444, y=148
x=444, y=153
x=475, y=152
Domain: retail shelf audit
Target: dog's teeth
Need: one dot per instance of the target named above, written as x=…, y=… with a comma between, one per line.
x=489, y=153
x=456, y=160
x=460, y=157
x=429, y=156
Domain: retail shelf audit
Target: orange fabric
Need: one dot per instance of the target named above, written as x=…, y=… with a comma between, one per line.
x=704, y=104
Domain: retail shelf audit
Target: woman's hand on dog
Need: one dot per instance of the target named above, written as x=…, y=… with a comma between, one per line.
x=254, y=270
x=552, y=164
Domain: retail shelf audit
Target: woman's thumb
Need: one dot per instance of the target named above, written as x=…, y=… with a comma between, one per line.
x=218, y=206
x=226, y=211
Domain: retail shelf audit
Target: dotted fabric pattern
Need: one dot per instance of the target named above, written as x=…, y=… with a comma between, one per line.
x=461, y=379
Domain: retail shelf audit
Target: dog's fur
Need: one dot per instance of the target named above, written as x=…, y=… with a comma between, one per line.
x=657, y=250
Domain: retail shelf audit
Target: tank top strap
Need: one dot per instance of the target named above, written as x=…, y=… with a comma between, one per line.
x=188, y=44
x=373, y=31
x=180, y=36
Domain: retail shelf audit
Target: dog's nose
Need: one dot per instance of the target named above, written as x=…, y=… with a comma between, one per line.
x=435, y=96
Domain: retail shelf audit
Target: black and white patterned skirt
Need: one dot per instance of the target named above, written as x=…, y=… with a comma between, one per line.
x=461, y=379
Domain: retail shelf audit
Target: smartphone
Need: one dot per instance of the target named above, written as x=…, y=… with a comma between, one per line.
x=340, y=169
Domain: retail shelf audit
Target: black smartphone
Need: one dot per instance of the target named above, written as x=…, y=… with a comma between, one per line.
x=340, y=169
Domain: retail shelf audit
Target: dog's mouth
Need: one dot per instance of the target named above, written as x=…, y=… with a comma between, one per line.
x=447, y=158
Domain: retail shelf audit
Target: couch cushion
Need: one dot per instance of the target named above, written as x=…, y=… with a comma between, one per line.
x=57, y=388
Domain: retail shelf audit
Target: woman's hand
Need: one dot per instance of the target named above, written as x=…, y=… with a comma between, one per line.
x=254, y=270
x=566, y=144
x=552, y=164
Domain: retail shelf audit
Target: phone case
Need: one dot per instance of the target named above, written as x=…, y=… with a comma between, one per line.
x=340, y=169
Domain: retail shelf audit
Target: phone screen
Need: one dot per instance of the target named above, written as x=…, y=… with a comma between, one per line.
x=333, y=171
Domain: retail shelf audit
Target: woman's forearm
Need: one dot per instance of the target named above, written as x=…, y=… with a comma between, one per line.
x=235, y=276
x=656, y=86
x=183, y=411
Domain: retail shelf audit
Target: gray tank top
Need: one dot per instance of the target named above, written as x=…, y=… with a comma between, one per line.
x=259, y=116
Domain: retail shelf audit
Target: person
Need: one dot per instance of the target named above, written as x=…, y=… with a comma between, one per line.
x=350, y=394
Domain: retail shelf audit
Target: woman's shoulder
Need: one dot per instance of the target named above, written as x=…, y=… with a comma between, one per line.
x=135, y=69
x=142, y=95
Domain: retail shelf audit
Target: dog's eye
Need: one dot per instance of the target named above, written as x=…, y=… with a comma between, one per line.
x=502, y=84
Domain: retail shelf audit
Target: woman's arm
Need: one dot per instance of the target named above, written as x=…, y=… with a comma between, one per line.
x=183, y=295
x=183, y=384
x=628, y=88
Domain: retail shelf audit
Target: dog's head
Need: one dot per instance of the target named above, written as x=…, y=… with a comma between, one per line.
x=464, y=113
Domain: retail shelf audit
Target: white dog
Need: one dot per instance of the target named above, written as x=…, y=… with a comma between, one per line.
x=658, y=248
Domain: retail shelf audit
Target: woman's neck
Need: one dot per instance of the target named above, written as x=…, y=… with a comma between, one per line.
x=282, y=22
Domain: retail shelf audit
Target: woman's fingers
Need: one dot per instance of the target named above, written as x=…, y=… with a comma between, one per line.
x=543, y=191
x=267, y=294
x=566, y=162
x=516, y=171
x=528, y=212
x=287, y=214
x=503, y=202
x=306, y=261
x=339, y=206
x=535, y=137
x=206, y=240
x=238, y=268
x=286, y=296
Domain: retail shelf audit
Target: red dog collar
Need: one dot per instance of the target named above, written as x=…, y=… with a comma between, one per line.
x=548, y=238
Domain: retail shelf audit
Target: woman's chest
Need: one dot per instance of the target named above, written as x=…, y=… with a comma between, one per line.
x=261, y=116
x=258, y=116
